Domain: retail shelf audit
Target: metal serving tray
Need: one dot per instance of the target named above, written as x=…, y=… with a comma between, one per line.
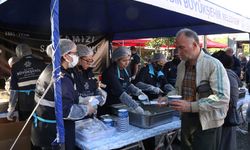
x=158, y=115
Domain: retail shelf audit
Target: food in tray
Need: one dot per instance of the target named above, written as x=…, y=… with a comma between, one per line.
x=146, y=112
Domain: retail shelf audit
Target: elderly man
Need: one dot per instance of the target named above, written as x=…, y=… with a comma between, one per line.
x=203, y=83
x=236, y=62
x=24, y=75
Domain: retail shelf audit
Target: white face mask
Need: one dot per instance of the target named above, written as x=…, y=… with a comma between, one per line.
x=75, y=59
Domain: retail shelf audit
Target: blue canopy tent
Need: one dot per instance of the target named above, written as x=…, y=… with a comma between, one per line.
x=119, y=19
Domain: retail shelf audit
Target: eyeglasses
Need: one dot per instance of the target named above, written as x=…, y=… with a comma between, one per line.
x=89, y=61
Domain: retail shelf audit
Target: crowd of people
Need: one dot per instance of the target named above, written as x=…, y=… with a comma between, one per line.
x=208, y=86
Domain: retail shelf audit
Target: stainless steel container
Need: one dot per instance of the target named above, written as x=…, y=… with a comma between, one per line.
x=155, y=115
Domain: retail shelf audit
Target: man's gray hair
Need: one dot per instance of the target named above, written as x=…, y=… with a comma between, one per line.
x=188, y=33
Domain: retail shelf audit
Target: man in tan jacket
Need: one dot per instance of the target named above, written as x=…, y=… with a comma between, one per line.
x=204, y=86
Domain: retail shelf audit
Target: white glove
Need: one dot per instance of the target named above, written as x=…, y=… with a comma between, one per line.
x=91, y=109
x=139, y=110
x=133, y=77
x=102, y=98
x=157, y=90
x=94, y=103
x=96, y=100
x=10, y=115
x=84, y=100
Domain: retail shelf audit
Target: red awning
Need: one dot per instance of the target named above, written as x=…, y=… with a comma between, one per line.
x=135, y=42
x=213, y=44
x=142, y=43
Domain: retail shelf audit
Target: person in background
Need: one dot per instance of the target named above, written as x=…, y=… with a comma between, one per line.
x=170, y=68
x=236, y=64
x=228, y=136
x=135, y=62
x=248, y=76
x=243, y=64
x=203, y=83
x=11, y=62
x=117, y=80
x=43, y=131
x=85, y=82
x=151, y=79
x=24, y=75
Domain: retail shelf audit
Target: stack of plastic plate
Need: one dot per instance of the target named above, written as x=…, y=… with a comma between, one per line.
x=123, y=120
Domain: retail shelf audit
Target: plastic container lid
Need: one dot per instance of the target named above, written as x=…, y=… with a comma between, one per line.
x=175, y=96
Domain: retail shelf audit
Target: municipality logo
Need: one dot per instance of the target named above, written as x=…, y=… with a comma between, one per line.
x=27, y=64
x=86, y=86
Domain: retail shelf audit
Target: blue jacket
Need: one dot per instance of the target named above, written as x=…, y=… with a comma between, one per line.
x=43, y=133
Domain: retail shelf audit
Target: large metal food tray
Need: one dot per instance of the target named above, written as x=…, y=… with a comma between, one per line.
x=159, y=115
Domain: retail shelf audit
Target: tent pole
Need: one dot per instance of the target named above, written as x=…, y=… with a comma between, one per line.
x=205, y=41
x=56, y=61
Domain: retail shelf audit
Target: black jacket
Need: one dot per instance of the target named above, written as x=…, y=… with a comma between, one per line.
x=45, y=133
x=117, y=82
x=24, y=75
x=151, y=78
x=84, y=81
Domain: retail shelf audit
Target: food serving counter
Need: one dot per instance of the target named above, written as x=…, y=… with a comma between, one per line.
x=121, y=139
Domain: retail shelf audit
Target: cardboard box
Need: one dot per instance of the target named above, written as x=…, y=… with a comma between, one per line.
x=8, y=133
